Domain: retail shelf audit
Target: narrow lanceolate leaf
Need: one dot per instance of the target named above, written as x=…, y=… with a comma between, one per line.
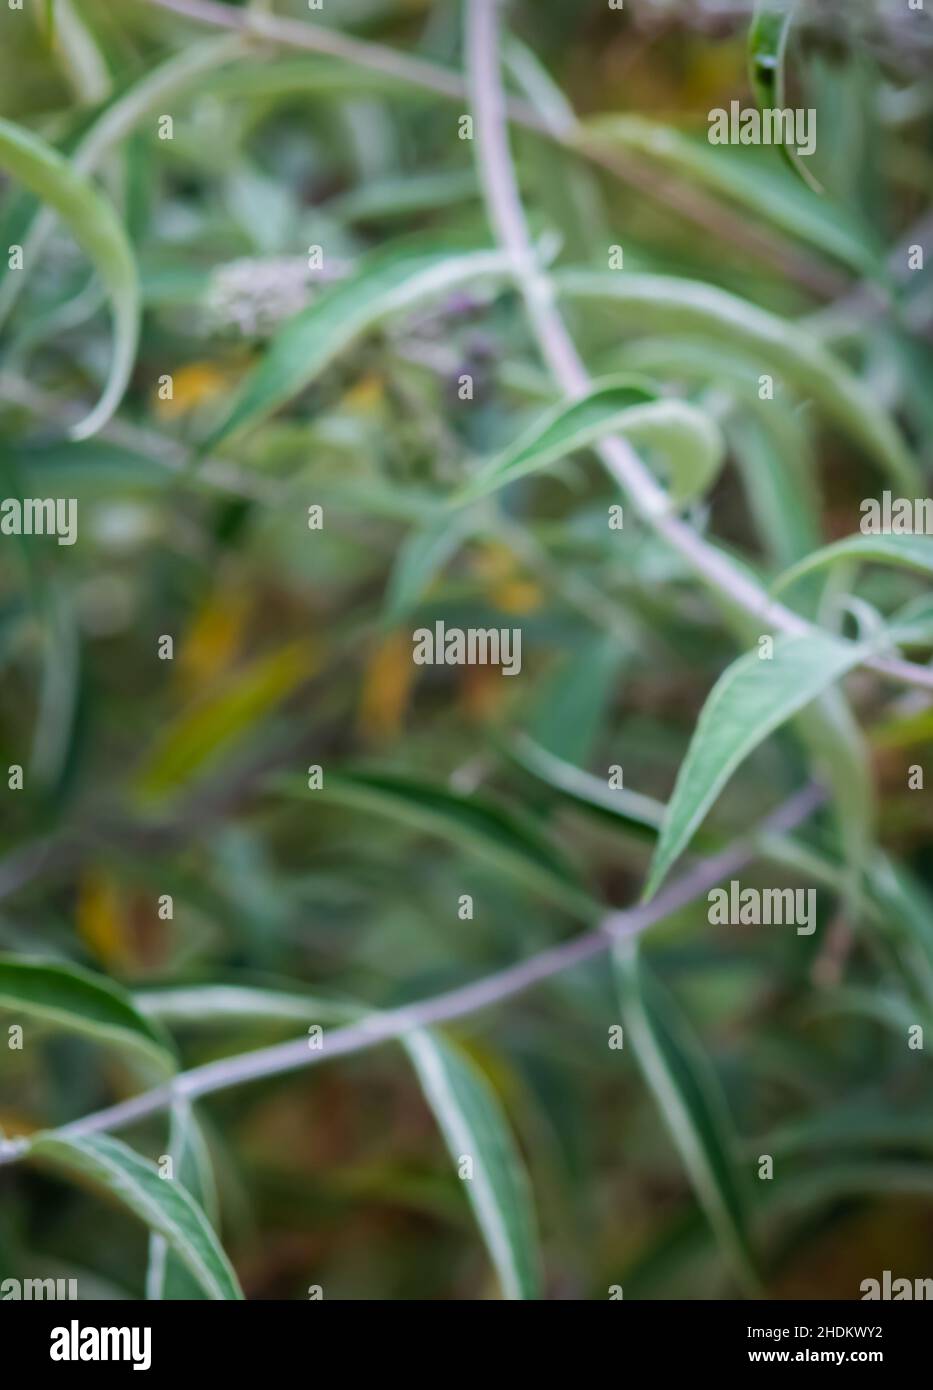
x=167, y=1277
x=507, y=840
x=95, y=226
x=749, y=701
x=639, y=813
x=77, y=52
x=909, y=552
x=571, y=709
x=690, y=443
x=383, y=284
x=842, y=761
x=660, y=303
x=79, y=1002
x=769, y=192
x=474, y=1128
x=767, y=54
x=688, y=1096
x=165, y=1206
x=198, y=735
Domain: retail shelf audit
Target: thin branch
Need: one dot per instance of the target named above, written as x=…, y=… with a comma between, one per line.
x=507, y=218
x=492, y=989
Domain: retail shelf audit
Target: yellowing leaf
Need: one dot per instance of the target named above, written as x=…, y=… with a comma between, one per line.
x=366, y=395
x=386, y=687
x=192, y=386
x=102, y=919
x=197, y=735
x=517, y=596
x=482, y=691
x=213, y=639
x=493, y=562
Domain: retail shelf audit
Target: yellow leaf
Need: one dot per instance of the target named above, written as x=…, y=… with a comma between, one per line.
x=366, y=395
x=482, y=691
x=192, y=386
x=199, y=733
x=386, y=687
x=505, y=584
x=213, y=639
x=102, y=919
x=517, y=596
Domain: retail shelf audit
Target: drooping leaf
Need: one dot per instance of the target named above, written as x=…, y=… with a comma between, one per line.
x=167, y=1277
x=80, y=1002
x=117, y=120
x=688, y=1096
x=658, y=303
x=690, y=441
x=474, y=1127
x=908, y=552
x=163, y=1204
x=767, y=53
x=98, y=231
x=751, y=699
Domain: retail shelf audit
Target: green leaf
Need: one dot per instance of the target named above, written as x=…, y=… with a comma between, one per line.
x=841, y=759
x=767, y=52
x=909, y=552
x=116, y=121
x=163, y=1204
x=385, y=283
x=80, y=1002
x=906, y=906
x=779, y=492
x=572, y=707
x=743, y=178
x=97, y=229
x=691, y=443
x=72, y=470
x=641, y=814
x=912, y=625
x=167, y=1277
x=771, y=445
x=650, y=303
x=473, y=1125
x=419, y=561
x=750, y=700
x=688, y=1096
x=504, y=838
x=77, y=51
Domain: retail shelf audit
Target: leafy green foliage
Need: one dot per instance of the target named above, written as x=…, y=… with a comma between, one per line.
x=165, y=1205
x=244, y=836
x=755, y=696
x=100, y=234
x=480, y=1145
